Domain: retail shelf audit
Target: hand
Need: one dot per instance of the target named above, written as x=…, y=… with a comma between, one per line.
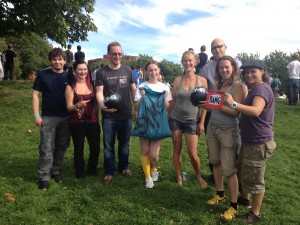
x=82, y=104
x=142, y=92
x=166, y=94
x=201, y=104
x=38, y=121
x=228, y=98
x=200, y=128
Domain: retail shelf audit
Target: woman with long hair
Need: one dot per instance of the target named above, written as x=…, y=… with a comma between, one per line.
x=83, y=120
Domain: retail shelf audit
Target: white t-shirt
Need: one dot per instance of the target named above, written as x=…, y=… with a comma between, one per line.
x=158, y=87
x=294, y=68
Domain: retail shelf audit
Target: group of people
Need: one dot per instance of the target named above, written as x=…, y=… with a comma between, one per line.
x=70, y=103
x=8, y=59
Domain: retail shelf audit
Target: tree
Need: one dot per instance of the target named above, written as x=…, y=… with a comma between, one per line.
x=58, y=20
x=32, y=53
x=244, y=57
x=170, y=70
x=276, y=62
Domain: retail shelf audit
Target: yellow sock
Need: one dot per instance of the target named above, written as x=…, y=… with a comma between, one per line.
x=145, y=161
x=153, y=169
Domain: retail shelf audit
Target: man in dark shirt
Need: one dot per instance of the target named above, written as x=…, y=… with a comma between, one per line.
x=203, y=59
x=9, y=63
x=79, y=55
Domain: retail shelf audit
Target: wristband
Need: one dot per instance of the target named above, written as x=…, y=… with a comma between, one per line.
x=36, y=116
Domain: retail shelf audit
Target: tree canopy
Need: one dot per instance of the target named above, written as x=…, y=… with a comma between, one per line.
x=59, y=20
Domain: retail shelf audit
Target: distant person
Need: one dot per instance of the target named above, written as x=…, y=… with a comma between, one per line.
x=185, y=119
x=1, y=68
x=151, y=148
x=50, y=83
x=70, y=57
x=275, y=84
x=293, y=69
x=116, y=123
x=256, y=124
x=79, y=55
x=9, y=64
x=191, y=49
x=95, y=71
x=141, y=74
x=84, y=119
x=136, y=75
x=203, y=57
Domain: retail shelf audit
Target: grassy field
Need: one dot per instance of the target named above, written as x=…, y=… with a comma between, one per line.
x=126, y=200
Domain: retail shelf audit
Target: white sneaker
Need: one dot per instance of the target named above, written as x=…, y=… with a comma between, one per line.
x=149, y=183
x=154, y=176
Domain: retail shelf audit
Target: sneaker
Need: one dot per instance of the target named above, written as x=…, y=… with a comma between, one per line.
x=149, y=183
x=229, y=214
x=154, y=176
x=244, y=202
x=250, y=217
x=215, y=200
x=126, y=173
x=43, y=185
x=57, y=178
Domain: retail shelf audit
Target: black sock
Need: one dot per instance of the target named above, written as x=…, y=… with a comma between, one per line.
x=233, y=205
x=220, y=193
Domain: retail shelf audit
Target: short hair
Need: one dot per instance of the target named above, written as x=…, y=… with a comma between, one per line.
x=114, y=43
x=203, y=48
x=57, y=52
x=78, y=47
x=69, y=46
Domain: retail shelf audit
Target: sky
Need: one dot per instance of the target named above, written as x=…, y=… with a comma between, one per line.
x=164, y=29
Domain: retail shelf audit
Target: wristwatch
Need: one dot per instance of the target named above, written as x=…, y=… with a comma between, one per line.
x=233, y=105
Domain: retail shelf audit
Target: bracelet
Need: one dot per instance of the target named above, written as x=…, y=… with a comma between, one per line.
x=36, y=116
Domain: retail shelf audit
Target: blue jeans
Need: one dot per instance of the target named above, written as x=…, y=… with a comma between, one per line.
x=293, y=89
x=121, y=129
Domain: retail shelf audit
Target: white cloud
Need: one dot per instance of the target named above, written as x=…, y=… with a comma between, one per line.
x=150, y=27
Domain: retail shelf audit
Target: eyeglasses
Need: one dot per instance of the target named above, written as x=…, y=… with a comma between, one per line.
x=116, y=54
x=217, y=46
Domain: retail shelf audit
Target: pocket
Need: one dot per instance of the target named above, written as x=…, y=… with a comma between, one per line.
x=270, y=148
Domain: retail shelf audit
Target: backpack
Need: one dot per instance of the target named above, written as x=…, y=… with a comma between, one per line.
x=275, y=83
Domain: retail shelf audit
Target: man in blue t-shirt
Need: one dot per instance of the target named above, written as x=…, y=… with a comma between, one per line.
x=55, y=138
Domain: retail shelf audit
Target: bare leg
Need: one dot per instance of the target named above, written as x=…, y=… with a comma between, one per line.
x=192, y=143
x=233, y=187
x=256, y=203
x=218, y=177
x=177, y=146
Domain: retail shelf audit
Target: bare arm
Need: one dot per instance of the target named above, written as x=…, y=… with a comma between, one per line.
x=240, y=92
x=175, y=88
x=258, y=104
x=36, y=107
x=69, y=95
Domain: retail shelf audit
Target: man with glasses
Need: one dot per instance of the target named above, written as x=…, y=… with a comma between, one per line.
x=116, y=123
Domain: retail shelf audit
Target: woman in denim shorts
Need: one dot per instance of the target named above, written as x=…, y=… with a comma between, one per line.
x=257, y=117
x=184, y=116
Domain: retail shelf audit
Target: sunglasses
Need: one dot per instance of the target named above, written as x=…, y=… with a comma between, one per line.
x=217, y=47
x=116, y=54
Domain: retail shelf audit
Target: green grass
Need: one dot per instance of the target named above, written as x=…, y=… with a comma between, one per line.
x=126, y=201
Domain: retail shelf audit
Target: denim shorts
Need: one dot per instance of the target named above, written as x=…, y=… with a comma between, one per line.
x=189, y=126
x=222, y=148
x=252, y=164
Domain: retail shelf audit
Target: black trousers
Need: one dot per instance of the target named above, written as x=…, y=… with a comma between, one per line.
x=92, y=132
